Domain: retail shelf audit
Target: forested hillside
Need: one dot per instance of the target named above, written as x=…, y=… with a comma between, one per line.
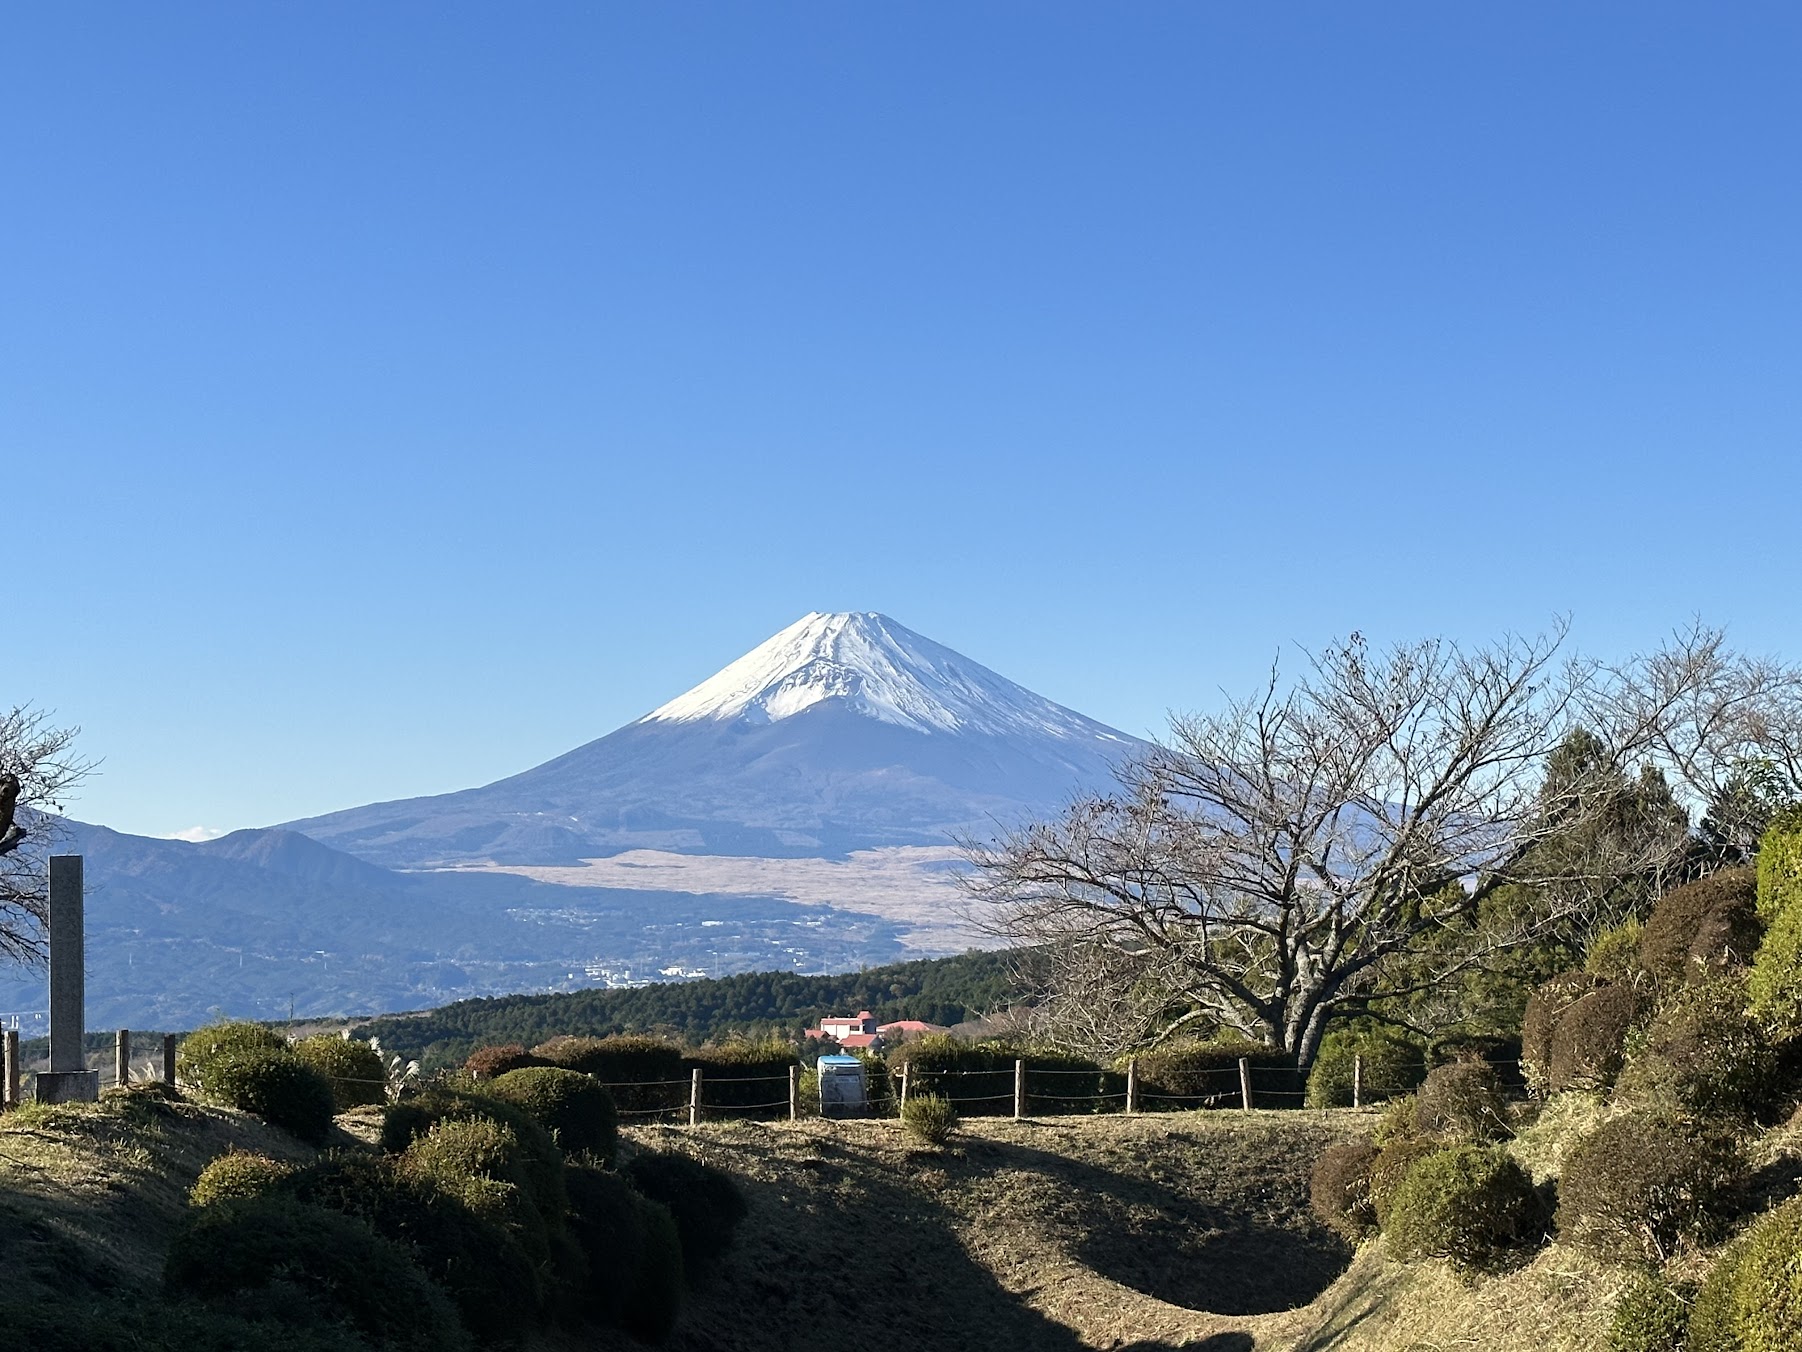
x=938, y=990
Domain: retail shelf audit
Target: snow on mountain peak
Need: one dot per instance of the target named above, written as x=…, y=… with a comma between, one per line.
x=881, y=670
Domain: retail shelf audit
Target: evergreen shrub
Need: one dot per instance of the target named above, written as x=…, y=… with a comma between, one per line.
x=1779, y=878
x=607, y=1222
x=1502, y=1054
x=1752, y=1298
x=704, y=1202
x=1393, y=1065
x=572, y=1107
x=353, y=1069
x=1711, y=922
x=1544, y=1008
x=303, y=1266
x=1472, y=1205
x=478, y=1263
x=487, y=1063
x=203, y=1051
x=1185, y=1075
x=748, y=1077
x=410, y=1118
x=928, y=1119
x=655, y=1301
x=1774, y=991
x=238, y=1173
x=1462, y=1100
x=1390, y=1167
x=1651, y=1315
x=642, y=1073
x=1614, y=956
x=1339, y=1189
x=480, y=1163
x=1645, y=1186
x=278, y=1087
x=1704, y=1054
x=1589, y=1040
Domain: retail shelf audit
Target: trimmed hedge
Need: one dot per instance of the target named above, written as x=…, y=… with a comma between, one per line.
x=748, y=1077
x=487, y=1063
x=1779, y=876
x=1651, y=1315
x=642, y=1073
x=1646, y=1186
x=278, y=1087
x=1339, y=1189
x=205, y=1050
x=1184, y=1075
x=1471, y=1205
x=607, y=1224
x=1614, y=956
x=658, y=1286
x=571, y=1106
x=478, y=1263
x=1711, y=922
x=238, y=1173
x=1393, y=1065
x=480, y=1163
x=1462, y=1100
x=353, y=1069
x=1390, y=1168
x=1545, y=1006
x=704, y=1202
x=1500, y=1054
x=1703, y=1053
x=411, y=1118
x=1752, y=1298
x=303, y=1266
x=1590, y=1037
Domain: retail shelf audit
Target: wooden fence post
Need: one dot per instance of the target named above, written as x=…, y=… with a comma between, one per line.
x=794, y=1093
x=169, y=1041
x=1245, y=1083
x=694, y=1098
x=12, y=1068
x=122, y=1058
x=1132, y=1085
x=904, y=1086
x=1358, y=1081
x=1019, y=1088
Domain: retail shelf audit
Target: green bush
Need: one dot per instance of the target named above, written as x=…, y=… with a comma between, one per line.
x=1651, y=1315
x=658, y=1286
x=354, y=1071
x=1390, y=1167
x=238, y=1173
x=1590, y=1039
x=487, y=1063
x=480, y=1163
x=1711, y=922
x=1544, y=1008
x=303, y=1266
x=607, y=1223
x=751, y=1078
x=1339, y=1189
x=704, y=1202
x=1646, y=1186
x=1752, y=1298
x=411, y=1118
x=642, y=1073
x=1500, y=1054
x=573, y=1107
x=1471, y=1205
x=480, y=1265
x=1392, y=1065
x=1704, y=1054
x=1614, y=956
x=928, y=1119
x=1775, y=988
x=278, y=1087
x=1779, y=878
x=1462, y=1100
x=1185, y=1075
x=204, y=1050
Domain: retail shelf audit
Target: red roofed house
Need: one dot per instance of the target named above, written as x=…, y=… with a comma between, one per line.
x=840, y=1029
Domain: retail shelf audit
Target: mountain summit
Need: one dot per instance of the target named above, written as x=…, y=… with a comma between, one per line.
x=881, y=670
x=842, y=732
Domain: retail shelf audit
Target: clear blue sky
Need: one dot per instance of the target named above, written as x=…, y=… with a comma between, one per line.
x=394, y=396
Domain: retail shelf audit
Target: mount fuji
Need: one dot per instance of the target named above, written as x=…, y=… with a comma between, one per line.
x=844, y=732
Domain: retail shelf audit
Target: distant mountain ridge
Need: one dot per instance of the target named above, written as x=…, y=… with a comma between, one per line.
x=842, y=732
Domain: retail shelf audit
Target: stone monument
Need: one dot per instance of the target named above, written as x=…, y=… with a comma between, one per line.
x=68, y=1080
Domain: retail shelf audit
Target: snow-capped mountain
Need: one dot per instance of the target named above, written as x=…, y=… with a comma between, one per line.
x=842, y=732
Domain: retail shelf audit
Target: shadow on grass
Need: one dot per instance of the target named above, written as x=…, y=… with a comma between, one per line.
x=1226, y=1243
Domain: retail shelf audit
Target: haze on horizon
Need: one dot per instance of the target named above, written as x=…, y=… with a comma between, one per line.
x=397, y=399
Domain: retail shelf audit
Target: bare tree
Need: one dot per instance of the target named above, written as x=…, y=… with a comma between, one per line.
x=38, y=766
x=1261, y=870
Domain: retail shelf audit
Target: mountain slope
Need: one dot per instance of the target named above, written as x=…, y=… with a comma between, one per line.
x=842, y=732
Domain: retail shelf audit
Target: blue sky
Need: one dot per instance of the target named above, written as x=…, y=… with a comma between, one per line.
x=392, y=397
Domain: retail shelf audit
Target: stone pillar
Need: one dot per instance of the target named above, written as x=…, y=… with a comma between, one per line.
x=68, y=1080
